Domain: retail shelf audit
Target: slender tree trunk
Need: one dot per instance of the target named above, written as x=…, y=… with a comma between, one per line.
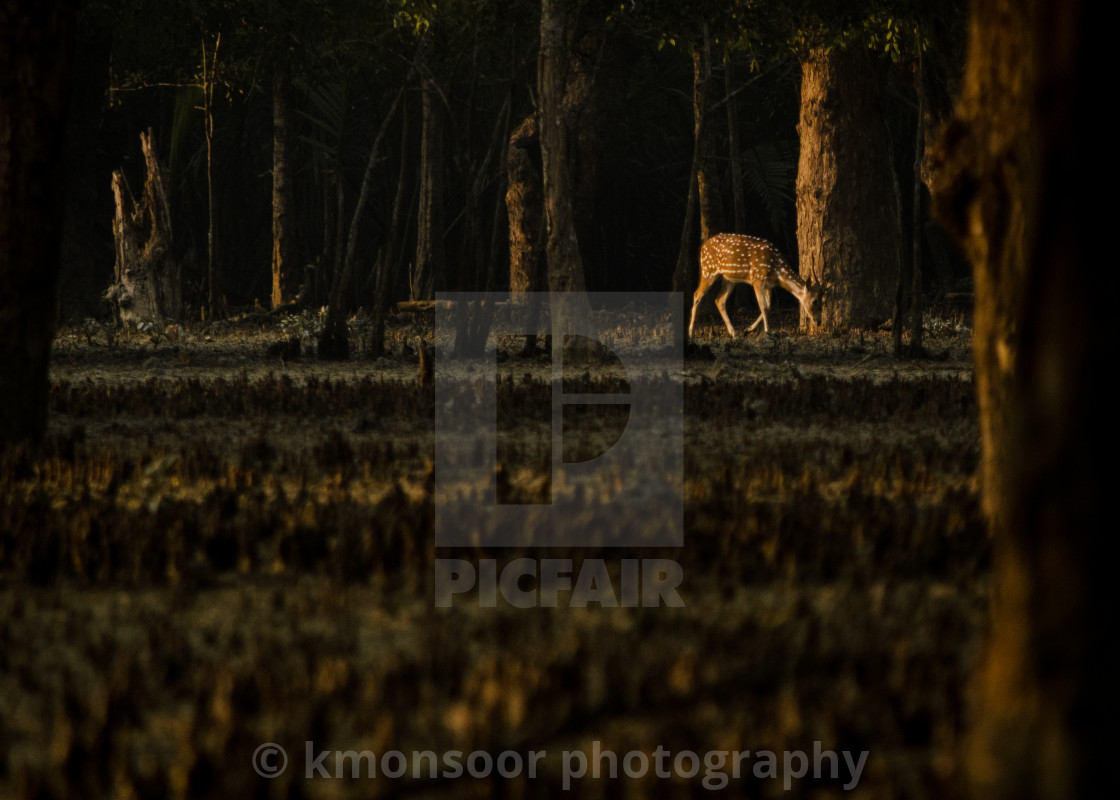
x=683, y=274
x=334, y=342
x=387, y=259
x=328, y=258
x=1007, y=185
x=431, y=261
x=707, y=172
x=35, y=55
x=848, y=230
x=917, y=227
x=283, y=260
x=208, y=73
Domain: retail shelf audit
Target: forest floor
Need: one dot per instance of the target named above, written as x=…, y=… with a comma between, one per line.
x=224, y=544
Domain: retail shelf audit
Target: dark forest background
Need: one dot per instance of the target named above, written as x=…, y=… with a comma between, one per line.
x=466, y=75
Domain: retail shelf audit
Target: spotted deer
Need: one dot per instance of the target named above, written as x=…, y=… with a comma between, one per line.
x=747, y=259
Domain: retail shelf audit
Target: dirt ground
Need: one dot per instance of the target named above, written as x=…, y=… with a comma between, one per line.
x=225, y=544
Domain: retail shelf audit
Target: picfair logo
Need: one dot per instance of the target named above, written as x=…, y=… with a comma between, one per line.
x=612, y=471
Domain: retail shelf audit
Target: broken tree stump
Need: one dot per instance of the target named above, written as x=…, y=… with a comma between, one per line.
x=146, y=286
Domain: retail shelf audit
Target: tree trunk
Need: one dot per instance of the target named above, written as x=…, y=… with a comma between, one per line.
x=209, y=67
x=565, y=266
x=147, y=286
x=1007, y=185
x=566, y=284
x=35, y=51
x=283, y=260
x=324, y=273
x=431, y=259
x=594, y=89
x=334, y=342
x=387, y=258
x=707, y=169
x=525, y=207
x=848, y=230
x=916, y=218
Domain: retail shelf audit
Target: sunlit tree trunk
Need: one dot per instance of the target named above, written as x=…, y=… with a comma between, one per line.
x=283, y=260
x=147, y=283
x=848, y=232
x=525, y=207
x=35, y=52
x=1024, y=134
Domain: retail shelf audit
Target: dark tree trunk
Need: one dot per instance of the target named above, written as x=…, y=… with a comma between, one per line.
x=566, y=282
x=594, y=88
x=283, y=259
x=147, y=284
x=525, y=207
x=848, y=230
x=707, y=169
x=916, y=218
x=334, y=342
x=1025, y=133
x=565, y=266
x=684, y=276
x=387, y=257
x=431, y=261
x=209, y=67
x=35, y=52
x=328, y=266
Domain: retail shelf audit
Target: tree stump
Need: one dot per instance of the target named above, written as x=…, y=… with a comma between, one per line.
x=146, y=286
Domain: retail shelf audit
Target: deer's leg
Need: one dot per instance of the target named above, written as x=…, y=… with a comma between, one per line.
x=701, y=290
x=721, y=304
x=763, y=297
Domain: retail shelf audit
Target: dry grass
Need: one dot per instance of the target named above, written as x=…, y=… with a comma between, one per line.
x=216, y=548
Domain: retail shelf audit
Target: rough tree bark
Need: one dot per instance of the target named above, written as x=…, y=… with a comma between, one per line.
x=565, y=266
x=707, y=169
x=35, y=55
x=525, y=207
x=1026, y=130
x=283, y=260
x=848, y=231
x=147, y=284
x=566, y=282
